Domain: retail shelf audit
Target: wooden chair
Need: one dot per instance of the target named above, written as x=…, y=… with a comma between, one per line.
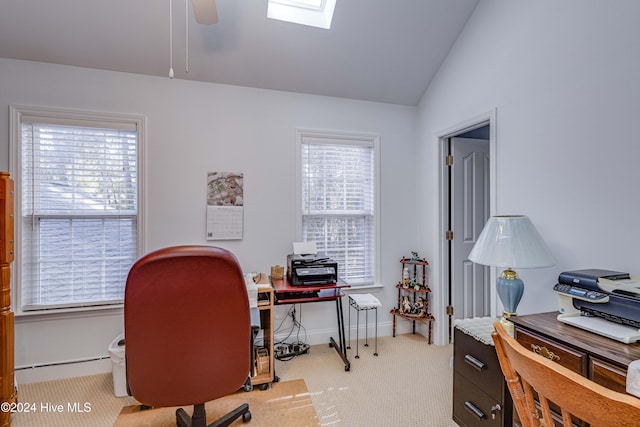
x=527, y=372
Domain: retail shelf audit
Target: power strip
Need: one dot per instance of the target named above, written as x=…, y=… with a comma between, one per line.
x=288, y=351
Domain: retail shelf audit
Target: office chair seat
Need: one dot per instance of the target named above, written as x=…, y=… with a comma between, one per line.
x=187, y=330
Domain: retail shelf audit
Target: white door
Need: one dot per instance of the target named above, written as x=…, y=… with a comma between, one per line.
x=470, y=210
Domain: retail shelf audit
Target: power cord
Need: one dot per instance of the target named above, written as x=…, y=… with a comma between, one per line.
x=286, y=351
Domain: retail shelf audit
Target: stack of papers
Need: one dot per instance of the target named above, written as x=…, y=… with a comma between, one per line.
x=252, y=290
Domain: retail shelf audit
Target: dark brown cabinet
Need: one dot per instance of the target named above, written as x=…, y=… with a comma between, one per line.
x=480, y=395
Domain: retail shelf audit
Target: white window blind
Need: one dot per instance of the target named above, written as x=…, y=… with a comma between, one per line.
x=338, y=204
x=79, y=211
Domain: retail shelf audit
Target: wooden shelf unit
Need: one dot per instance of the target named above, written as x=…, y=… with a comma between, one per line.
x=415, y=288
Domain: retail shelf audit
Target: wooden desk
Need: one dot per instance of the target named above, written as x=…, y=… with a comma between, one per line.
x=287, y=294
x=598, y=358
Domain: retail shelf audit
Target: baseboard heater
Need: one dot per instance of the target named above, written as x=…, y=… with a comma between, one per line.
x=68, y=362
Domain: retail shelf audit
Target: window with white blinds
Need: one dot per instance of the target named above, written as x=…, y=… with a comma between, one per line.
x=338, y=194
x=78, y=193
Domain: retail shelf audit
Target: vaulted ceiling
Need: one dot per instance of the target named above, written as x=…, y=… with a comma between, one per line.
x=384, y=51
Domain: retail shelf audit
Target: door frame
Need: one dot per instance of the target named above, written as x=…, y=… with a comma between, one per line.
x=487, y=118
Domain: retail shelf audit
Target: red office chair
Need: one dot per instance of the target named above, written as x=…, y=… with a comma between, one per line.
x=187, y=331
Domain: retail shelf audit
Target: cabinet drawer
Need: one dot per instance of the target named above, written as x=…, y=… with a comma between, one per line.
x=608, y=375
x=472, y=406
x=566, y=356
x=478, y=363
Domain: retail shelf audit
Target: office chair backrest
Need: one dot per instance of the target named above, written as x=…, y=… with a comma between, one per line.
x=187, y=326
x=576, y=395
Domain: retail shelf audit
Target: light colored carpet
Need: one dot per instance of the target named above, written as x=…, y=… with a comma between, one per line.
x=95, y=390
x=409, y=384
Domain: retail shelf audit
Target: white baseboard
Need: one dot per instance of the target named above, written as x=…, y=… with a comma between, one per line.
x=66, y=370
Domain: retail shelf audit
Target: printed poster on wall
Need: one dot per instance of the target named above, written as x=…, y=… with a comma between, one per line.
x=225, y=205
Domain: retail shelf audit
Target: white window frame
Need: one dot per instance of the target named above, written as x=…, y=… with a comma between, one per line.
x=15, y=158
x=335, y=137
x=302, y=12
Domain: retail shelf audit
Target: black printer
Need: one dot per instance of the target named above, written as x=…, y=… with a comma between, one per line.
x=311, y=270
x=601, y=301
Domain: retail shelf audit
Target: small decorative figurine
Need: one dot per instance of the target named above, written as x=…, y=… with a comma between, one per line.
x=413, y=283
x=405, y=277
x=405, y=306
x=414, y=256
x=418, y=308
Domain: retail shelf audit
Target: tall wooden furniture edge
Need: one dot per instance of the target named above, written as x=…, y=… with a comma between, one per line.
x=8, y=389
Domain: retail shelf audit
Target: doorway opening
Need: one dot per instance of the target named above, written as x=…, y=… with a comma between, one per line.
x=467, y=201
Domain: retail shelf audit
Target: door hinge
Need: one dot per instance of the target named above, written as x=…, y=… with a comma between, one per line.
x=448, y=235
x=449, y=160
x=449, y=310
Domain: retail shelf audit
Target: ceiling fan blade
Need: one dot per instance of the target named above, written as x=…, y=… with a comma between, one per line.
x=205, y=11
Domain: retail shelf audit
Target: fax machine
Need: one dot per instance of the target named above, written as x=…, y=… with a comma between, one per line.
x=311, y=270
x=601, y=301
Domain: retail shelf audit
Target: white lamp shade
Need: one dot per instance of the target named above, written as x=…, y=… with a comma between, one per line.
x=511, y=242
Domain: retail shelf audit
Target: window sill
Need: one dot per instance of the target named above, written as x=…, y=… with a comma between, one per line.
x=359, y=289
x=68, y=313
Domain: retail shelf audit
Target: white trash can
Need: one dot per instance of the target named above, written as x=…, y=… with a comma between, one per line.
x=116, y=352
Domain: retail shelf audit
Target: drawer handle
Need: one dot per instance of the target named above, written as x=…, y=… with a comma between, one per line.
x=475, y=363
x=474, y=409
x=494, y=410
x=543, y=351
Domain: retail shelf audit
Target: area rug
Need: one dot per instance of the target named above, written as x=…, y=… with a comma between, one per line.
x=284, y=404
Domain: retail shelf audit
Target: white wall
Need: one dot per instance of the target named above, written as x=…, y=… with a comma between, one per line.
x=563, y=78
x=193, y=128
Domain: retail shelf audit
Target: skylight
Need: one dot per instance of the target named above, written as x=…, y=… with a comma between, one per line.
x=315, y=13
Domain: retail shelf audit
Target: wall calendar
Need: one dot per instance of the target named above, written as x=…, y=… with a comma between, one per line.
x=225, y=205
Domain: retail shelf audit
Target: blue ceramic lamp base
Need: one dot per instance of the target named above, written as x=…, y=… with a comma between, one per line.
x=510, y=289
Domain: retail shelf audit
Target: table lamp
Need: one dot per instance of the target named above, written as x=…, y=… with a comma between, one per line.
x=510, y=241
